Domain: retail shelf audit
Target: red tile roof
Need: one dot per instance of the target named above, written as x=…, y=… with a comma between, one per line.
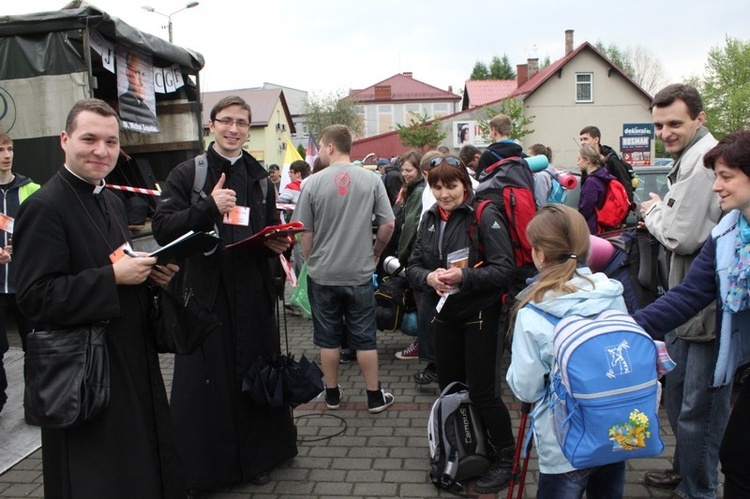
x=402, y=88
x=479, y=92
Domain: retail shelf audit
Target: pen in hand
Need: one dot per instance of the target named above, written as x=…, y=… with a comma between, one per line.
x=134, y=255
x=130, y=253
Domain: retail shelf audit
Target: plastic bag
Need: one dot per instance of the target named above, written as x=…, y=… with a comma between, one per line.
x=299, y=295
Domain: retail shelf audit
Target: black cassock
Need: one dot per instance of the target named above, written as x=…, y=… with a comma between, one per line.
x=64, y=235
x=222, y=436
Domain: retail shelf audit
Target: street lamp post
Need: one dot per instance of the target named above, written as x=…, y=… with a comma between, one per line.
x=169, y=16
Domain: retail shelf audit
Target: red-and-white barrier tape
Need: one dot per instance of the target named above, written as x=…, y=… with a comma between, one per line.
x=137, y=190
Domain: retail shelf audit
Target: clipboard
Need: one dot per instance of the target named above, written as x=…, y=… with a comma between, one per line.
x=186, y=245
x=272, y=231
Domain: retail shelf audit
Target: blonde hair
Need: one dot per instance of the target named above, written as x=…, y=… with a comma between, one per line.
x=592, y=155
x=561, y=233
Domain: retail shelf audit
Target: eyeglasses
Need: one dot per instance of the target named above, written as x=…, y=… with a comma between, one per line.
x=455, y=162
x=228, y=122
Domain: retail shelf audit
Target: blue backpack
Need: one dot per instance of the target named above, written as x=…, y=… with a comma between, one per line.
x=604, y=392
x=557, y=193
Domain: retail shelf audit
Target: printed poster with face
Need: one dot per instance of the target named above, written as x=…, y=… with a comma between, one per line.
x=135, y=88
x=468, y=132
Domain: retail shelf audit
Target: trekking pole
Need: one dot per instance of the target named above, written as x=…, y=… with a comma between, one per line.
x=520, y=479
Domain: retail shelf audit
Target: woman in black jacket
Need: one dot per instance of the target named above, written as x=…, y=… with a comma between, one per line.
x=466, y=264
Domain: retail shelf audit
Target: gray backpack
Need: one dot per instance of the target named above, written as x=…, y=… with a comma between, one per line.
x=458, y=440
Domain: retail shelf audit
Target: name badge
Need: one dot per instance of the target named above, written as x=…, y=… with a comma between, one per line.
x=115, y=256
x=6, y=223
x=240, y=215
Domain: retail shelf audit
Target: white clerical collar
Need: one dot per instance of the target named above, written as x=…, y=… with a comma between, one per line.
x=231, y=160
x=97, y=188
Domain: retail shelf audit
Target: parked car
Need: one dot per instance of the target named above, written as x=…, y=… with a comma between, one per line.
x=650, y=179
x=663, y=161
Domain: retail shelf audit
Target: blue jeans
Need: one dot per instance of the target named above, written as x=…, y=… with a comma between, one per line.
x=598, y=482
x=341, y=310
x=697, y=416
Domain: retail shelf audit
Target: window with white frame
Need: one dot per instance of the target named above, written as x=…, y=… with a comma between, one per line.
x=411, y=111
x=584, y=87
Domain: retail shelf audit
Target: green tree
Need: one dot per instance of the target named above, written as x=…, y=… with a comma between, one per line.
x=301, y=150
x=638, y=63
x=335, y=108
x=498, y=69
x=617, y=56
x=512, y=108
x=501, y=69
x=419, y=133
x=725, y=87
x=480, y=72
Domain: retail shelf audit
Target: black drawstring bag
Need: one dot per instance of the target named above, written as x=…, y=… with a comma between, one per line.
x=181, y=321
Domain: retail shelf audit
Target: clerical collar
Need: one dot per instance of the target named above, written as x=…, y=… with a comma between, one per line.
x=97, y=188
x=231, y=160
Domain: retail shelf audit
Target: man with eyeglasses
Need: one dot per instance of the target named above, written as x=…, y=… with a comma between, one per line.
x=133, y=107
x=223, y=437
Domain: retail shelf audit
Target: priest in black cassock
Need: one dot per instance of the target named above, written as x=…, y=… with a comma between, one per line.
x=222, y=435
x=65, y=242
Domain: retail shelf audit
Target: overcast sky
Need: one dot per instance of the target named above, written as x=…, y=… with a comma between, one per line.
x=330, y=45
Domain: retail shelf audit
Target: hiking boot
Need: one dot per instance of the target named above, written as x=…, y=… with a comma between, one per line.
x=498, y=475
x=667, y=479
x=426, y=376
x=333, y=397
x=347, y=356
x=410, y=352
x=378, y=400
x=261, y=478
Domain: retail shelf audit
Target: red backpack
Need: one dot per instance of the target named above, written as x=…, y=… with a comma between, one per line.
x=509, y=184
x=615, y=209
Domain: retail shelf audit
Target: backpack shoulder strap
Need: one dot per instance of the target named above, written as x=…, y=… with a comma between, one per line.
x=549, y=317
x=264, y=188
x=476, y=220
x=199, y=179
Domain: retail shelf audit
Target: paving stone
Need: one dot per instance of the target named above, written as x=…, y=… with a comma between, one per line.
x=378, y=456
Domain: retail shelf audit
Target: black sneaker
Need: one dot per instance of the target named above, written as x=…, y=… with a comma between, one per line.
x=333, y=397
x=379, y=400
x=426, y=376
x=347, y=356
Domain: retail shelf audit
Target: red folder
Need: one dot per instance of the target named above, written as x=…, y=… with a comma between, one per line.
x=272, y=231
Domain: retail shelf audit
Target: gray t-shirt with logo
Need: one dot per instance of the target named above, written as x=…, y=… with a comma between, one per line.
x=338, y=205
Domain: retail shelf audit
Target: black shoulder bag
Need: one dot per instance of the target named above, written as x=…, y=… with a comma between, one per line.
x=67, y=376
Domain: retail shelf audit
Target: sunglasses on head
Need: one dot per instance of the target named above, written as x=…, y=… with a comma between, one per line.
x=455, y=162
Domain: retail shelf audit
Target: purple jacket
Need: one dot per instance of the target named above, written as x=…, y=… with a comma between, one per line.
x=593, y=189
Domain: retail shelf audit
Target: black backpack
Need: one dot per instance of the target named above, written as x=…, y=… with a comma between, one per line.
x=459, y=448
x=639, y=263
x=393, y=299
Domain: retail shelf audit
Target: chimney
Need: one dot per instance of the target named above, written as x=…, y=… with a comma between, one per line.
x=382, y=92
x=408, y=74
x=450, y=88
x=533, y=65
x=522, y=72
x=568, y=41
